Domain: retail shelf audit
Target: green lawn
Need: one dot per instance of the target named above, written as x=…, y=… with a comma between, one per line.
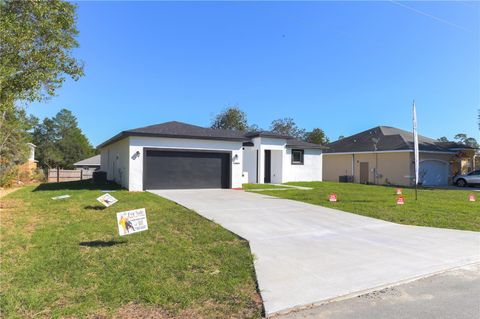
x=64, y=258
x=435, y=208
x=260, y=186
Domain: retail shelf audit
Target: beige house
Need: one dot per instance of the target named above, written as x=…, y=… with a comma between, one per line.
x=384, y=155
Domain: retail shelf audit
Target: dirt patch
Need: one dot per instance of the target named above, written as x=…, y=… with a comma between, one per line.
x=6, y=191
x=208, y=309
x=138, y=311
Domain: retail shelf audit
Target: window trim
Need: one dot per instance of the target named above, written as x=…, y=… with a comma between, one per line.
x=302, y=153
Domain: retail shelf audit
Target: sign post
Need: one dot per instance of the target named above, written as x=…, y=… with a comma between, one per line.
x=415, y=148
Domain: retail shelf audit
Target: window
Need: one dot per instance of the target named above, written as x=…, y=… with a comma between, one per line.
x=474, y=173
x=297, y=157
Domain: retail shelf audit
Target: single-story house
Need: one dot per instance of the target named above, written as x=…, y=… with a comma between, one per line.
x=89, y=164
x=175, y=155
x=384, y=155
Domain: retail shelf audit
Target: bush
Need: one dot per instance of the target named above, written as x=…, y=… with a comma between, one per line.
x=8, y=175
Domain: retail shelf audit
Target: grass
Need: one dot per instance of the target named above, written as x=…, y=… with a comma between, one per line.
x=260, y=186
x=434, y=208
x=65, y=258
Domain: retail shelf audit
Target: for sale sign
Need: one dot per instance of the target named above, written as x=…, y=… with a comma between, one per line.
x=332, y=197
x=107, y=200
x=471, y=198
x=399, y=191
x=132, y=221
x=400, y=200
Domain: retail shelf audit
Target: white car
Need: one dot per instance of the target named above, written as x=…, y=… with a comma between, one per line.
x=472, y=178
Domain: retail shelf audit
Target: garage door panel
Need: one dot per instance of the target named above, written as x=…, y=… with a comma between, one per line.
x=183, y=170
x=434, y=173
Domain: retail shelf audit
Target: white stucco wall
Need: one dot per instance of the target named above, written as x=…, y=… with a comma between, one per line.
x=115, y=161
x=138, y=143
x=277, y=160
x=311, y=170
x=124, y=167
x=273, y=144
x=282, y=170
x=250, y=163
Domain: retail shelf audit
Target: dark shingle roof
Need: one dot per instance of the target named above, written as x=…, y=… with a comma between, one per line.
x=183, y=130
x=387, y=139
x=294, y=143
x=266, y=134
x=91, y=161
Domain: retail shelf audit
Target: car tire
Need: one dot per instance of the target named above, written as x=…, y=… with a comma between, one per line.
x=461, y=182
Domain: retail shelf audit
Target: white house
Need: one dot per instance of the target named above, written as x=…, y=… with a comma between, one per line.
x=176, y=155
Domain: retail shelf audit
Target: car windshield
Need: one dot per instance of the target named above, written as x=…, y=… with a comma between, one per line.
x=474, y=173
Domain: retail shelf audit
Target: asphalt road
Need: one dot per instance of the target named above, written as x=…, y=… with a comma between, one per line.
x=451, y=295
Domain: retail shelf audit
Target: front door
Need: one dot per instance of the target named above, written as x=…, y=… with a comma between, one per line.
x=268, y=167
x=364, y=172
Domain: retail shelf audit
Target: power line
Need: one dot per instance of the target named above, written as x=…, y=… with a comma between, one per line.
x=430, y=16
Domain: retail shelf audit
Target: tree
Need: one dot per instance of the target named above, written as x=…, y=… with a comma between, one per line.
x=37, y=38
x=464, y=139
x=317, y=136
x=341, y=137
x=231, y=118
x=36, y=43
x=443, y=139
x=46, y=138
x=287, y=126
x=60, y=141
x=13, y=142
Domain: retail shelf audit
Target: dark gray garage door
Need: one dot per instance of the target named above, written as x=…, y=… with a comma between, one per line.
x=183, y=169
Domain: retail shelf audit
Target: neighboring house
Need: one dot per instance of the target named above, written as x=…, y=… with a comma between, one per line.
x=90, y=164
x=384, y=155
x=179, y=155
x=31, y=164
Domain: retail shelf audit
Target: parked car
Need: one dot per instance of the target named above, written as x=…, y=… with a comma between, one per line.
x=471, y=178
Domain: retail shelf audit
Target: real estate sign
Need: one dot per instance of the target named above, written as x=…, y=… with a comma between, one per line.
x=107, y=200
x=132, y=221
x=332, y=197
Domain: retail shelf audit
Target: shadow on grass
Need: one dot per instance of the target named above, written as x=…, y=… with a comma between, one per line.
x=76, y=185
x=95, y=207
x=101, y=243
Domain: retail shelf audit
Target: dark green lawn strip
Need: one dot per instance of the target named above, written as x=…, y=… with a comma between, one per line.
x=434, y=208
x=65, y=258
x=260, y=186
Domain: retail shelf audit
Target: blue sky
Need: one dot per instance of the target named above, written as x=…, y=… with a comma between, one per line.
x=341, y=66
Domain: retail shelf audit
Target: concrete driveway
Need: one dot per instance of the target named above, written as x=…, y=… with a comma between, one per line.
x=307, y=254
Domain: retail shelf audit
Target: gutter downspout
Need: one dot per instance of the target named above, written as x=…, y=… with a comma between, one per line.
x=353, y=168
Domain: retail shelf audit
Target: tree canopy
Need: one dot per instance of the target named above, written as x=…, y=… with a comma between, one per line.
x=317, y=136
x=232, y=118
x=36, y=43
x=464, y=139
x=37, y=38
x=60, y=142
x=287, y=126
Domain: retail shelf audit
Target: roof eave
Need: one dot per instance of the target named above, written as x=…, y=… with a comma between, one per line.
x=125, y=134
